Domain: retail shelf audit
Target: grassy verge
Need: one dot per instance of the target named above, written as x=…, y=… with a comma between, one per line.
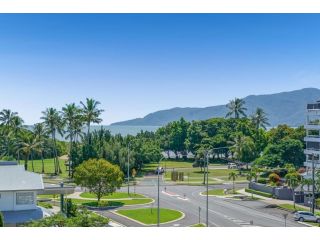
x=45, y=205
x=116, y=195
x=268, y=195
x=198, y=225
x=117, y=203
x=149, y=215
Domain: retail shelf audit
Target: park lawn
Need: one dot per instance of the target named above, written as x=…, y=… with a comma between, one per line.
x=149, y=215
x=116, y=195
x=167, y=164
x=48, y=166
x=117, y=203
x=50, y=196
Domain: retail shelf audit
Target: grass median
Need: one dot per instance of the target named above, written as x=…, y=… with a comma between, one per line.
x=148, y=216
x=116, y=203
x=116, y=195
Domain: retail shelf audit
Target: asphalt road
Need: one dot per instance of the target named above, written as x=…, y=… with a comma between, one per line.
x=222, y=212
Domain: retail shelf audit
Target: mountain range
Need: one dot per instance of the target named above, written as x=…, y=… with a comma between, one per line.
x=281, y=108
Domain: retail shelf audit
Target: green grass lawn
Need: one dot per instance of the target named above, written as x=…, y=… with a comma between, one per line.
x=149, y=215
x=116, y=195
x=48, y=166
x=215, y=192
x=117, y=203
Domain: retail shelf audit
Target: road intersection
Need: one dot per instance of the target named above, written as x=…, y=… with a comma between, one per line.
x=223, y=212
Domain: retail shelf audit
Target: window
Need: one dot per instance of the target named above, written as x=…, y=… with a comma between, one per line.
x=24, y=198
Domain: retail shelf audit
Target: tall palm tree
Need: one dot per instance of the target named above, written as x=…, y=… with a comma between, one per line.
x=54, y=123
x=71, y=115
x=236, y=108
x=40, y=132
x=7, y=118
x=293, y=181
x=259, y=119
x=91, y=112
x=233, y=176
x=27, y=146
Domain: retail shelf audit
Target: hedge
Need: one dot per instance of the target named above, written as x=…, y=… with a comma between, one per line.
x=268, y=195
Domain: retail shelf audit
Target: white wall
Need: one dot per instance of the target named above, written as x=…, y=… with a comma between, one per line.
x=8, y=202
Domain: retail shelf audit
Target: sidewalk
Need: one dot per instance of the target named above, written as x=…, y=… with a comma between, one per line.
x=270, y=200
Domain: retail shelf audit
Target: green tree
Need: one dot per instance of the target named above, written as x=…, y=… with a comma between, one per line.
x=72, y=117
x=293, y=180
x=54, y=123
x=40, y=133
x=233, y=176
x=259, y=119
x=27, y=146
x=91, y=113
x=236, y=108
x=99, y=176
x=1, y=220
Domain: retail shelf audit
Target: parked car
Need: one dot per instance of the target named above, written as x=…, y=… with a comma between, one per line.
x=306, y=216
x=159, y=170
x=232, y=166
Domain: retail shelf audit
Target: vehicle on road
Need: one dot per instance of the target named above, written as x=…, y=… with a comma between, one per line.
x=159, y=170
x=232, y=166
x=302, y=216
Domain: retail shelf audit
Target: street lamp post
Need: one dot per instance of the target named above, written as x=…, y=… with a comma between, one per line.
x=285, y=215
x=158, y=211
x=128, y=171
x=207, y=179
x=199, y=215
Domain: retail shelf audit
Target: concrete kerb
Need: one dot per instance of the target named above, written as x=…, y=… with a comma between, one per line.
x=149, y=225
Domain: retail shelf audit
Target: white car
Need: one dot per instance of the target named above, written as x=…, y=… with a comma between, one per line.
x=232, y=166
x=302, y=216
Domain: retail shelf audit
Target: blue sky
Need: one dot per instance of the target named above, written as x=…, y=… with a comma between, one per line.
x=135, y=64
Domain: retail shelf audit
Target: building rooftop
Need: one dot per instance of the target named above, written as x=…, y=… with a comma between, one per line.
x=15, y=178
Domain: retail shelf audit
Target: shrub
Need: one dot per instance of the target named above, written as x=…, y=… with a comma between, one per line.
x=274, y=178
x=301, y=170
x=1, y=220
x=262, y=180
x=269, y=195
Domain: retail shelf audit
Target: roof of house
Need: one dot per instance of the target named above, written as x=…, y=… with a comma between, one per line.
x=15, y=178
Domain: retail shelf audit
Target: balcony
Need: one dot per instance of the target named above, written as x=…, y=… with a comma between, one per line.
x=312, y=126
x=311, y=151
x=312, y=138
x=313, y=106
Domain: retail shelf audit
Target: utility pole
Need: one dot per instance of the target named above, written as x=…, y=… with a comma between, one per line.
x=207, y=218
x=128, y=172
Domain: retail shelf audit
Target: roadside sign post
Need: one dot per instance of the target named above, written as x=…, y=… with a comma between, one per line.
x=285, y=215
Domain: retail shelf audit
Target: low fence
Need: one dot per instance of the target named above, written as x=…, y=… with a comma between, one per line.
x=282, y=193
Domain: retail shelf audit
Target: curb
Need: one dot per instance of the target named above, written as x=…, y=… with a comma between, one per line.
x=143, y=224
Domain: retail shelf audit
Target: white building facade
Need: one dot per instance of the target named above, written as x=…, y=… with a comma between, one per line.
x=18, y=188
x=312, y=138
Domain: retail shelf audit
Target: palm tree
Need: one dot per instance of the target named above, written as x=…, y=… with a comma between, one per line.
x=27, y=146
x=306, y=182
x=54, y=123
x=6, y=120
x=259, y=119
x=236, y=108
x=293, y=182
x=91, y=112
x=72, y=117
x=233, y=176
x=40, y=132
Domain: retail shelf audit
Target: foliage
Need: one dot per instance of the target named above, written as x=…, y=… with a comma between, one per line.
x=99, y=176
x=1, y=220
x=83, y=218
x=274, y=178
x=45, y=205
